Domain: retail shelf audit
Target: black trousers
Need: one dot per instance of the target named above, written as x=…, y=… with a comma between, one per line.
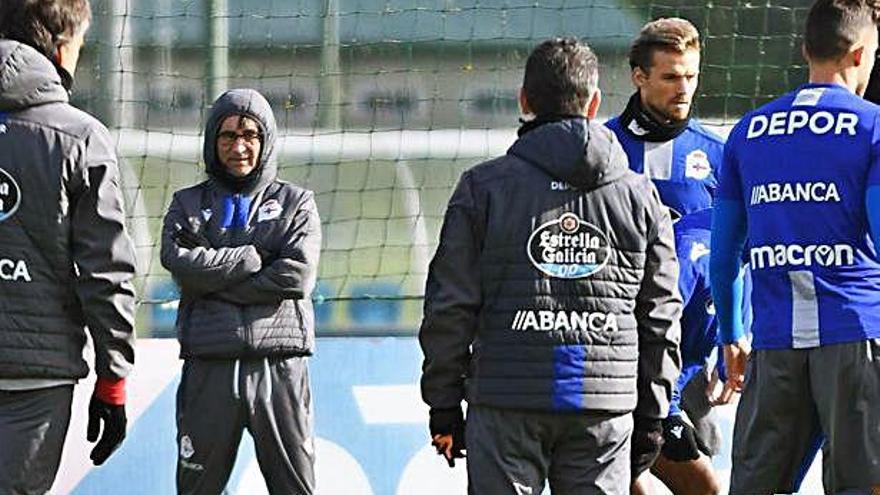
x=511, y=452
x=219, y=399
x=33, y=424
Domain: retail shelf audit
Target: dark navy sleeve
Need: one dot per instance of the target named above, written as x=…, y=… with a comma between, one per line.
x=452, y=302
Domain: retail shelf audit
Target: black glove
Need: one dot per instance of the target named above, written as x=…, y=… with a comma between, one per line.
x=681, y=442
x=114, y=428
x=448, y=422
x=266, y=256
x=647, y=440
x=188, y=239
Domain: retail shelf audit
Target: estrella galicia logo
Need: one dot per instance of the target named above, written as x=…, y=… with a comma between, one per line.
x=568, y=247
x=10, y=195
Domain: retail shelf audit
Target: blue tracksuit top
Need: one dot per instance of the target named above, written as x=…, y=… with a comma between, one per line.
x=698, y=329
x=798, y=170
x=684, y=170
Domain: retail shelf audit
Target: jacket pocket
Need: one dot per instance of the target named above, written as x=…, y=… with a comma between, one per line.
x=214, y=327
x=275, y=328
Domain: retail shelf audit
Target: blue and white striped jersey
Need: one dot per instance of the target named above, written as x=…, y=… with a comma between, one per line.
x=800, y=167
x=684, y=169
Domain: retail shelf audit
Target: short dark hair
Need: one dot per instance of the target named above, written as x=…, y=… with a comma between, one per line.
x=671, y=34
x=561, y=76
x=43, y=24
x=834, y=26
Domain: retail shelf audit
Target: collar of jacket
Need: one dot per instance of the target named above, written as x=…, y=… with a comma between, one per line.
x=577, y=151
x=66, y=77
x=539, y=120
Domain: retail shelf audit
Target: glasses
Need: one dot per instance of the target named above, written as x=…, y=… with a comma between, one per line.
x=227, y=138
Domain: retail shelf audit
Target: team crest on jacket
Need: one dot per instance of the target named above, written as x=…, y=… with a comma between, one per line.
x=696, y=165
x=10, y=195
x=568, y=247
x=269, y=210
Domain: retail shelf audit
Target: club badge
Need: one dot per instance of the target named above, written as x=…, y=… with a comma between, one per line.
x=10, y=195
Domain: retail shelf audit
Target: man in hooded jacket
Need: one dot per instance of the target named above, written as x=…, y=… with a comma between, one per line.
x=551, y=304
x=244, y=247
x=66, y=261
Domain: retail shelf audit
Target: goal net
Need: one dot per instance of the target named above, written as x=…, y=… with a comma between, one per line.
x=381, y=104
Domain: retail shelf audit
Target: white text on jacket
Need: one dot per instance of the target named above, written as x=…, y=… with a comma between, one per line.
x=14, y=271
x=545, y=321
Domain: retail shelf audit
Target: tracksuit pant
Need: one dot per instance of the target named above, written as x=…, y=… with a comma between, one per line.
x=33, y=425
x=512, y=452
x=219, y=399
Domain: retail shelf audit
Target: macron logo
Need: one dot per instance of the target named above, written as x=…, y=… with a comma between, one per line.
x=796, y=255
x=522, y=489
x=698, y=250
x=677, y=431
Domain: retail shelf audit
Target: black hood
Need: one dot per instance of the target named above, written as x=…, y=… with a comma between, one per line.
x=27, y=78
x=250, y=103
x=577, y=151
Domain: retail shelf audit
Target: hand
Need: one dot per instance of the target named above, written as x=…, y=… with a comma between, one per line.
x=266, y=256
x=681, y=442
x=725, y=396
x=735, y=357
x=712, y=384
x=448, y=448
x=113, y=417
x=447, y=428
x=188, y=239
x=647, y=441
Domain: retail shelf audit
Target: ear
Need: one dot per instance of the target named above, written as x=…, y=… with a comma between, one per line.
x=593, y=105
x=524, y=106
x=858, y=55
x=59, y=55
x=639, y=77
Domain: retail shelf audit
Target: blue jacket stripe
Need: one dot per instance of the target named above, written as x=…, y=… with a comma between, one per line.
x=569, y=369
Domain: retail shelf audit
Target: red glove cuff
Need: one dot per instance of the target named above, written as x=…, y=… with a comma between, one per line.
x=110, y=391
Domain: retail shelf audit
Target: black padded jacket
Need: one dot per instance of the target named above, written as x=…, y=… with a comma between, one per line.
x=554, y=286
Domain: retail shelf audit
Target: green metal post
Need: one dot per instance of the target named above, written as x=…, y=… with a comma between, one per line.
x=218, y=49
x=330, y=97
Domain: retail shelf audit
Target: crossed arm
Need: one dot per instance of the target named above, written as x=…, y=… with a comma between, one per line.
x=238, y=274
